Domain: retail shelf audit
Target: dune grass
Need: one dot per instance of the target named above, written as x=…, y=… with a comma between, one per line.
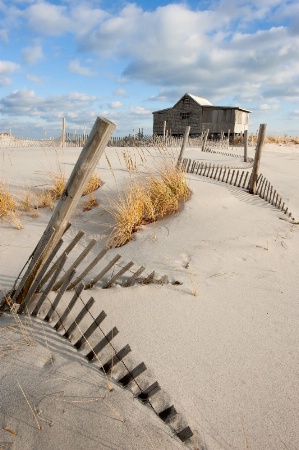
x=147, y=199
x=8, y=207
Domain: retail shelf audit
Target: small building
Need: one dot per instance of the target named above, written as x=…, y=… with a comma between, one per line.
x=200, y=115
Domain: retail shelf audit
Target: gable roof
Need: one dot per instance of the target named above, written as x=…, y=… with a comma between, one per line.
x=200, y=100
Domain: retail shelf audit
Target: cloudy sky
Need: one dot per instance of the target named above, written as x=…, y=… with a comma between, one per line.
x=80, y=59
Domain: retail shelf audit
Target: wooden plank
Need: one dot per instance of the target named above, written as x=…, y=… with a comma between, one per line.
x=102, y=273
x=245, y=179
x=84, y=167
x=167, y=414
x=185, y=434
x=69, y=307
x=138, y=370
x=116, y=359
x=220, y=171
x=79, y=317
x=216, y=172
x=257, y=158
x=34, y=285
x=185, y=140
x=58, y=297
x=88, y=268
x=75, y=264
x=230, y=182
x=134, y=277
x=96, y=324
x=102, y=344
x=68, y=249
x=163, y=280
x=118, y=274
x=149, y=278
x=145, y=394
x=228, y=173
x=237, y=176
x=224, y=174
x=241, y=178
x=49, y=286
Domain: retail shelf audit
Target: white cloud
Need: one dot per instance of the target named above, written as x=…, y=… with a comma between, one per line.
x=7, y=69
x=75, y=66
x=115, y=105
x=32, y=55
x=120, y=92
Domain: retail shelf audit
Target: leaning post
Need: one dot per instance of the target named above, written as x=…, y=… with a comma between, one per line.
x=205, y=140
x=84, y=167
x=245, y=145
x=186, y=135
x=63, y=133
x=257, y=158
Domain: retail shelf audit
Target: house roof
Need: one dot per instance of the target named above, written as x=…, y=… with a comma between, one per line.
x=200, y=100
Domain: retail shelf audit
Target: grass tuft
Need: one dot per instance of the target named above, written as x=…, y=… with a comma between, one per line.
x=146, y=200
x=8, y=206
x=93, y=184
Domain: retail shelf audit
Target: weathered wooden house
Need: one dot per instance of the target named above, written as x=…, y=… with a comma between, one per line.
x=200, y=115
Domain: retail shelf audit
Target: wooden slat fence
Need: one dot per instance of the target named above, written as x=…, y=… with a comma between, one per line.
x=236, y=177
x=75, y=321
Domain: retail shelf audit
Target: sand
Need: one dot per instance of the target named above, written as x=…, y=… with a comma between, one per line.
x=223, y=344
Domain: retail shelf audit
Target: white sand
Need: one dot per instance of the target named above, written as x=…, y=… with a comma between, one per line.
x=226, y=356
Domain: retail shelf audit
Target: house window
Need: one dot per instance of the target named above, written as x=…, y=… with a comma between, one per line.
x=185, y=115
x=186, y=101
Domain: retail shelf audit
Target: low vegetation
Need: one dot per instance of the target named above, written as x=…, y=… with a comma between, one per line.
x=147, y=199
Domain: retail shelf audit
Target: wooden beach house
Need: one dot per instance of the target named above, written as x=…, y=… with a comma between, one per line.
x=200, y=115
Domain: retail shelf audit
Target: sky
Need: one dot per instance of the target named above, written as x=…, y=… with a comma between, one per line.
x=78, y=59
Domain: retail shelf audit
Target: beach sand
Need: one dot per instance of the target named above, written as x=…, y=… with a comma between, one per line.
x=223, y=344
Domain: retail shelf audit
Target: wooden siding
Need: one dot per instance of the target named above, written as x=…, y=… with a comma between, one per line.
x=187, y=112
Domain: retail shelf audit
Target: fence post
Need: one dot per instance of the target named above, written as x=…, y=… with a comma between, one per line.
x=257, y=158
x=186, y=135
x=84, y=167
x=205, y=140
x=63, y=133
x=245, y=145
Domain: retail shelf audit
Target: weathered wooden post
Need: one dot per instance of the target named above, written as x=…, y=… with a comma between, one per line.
x=204, y=142
x=186, y=135
x=84, y=167
x=245, y=145
x=164, y=131
x=63, y=133
x=257, y=158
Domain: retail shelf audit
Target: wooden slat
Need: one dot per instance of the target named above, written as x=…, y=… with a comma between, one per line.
x=118, y=274
x=49, y=286
x=68, y=249
x=216, y=172
x=79, y=317
x=58, y=297
x=132, y=279
x=237, y=176
x=69, y=307
x=230, y=182
x=241, y=178
x=138, y=370
x=185, y=434
x=220, y=171
x=224, y=174
x=116, y=358
x=245, y=179
x=145, y=394
x=149, y=278
x=75, y=264
x=228, y=173
x=168, y=413
x=102, y=344
x=39, y=277
x=103, y=272
x=86, y=335
x=88, y=269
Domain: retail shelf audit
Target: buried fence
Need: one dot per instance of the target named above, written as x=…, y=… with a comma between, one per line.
x=239, y=178
x=70, y=317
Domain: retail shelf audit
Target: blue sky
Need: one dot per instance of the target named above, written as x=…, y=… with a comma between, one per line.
x=121, y=60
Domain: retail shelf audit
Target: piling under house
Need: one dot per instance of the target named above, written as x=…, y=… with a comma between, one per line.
x=200, y=115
